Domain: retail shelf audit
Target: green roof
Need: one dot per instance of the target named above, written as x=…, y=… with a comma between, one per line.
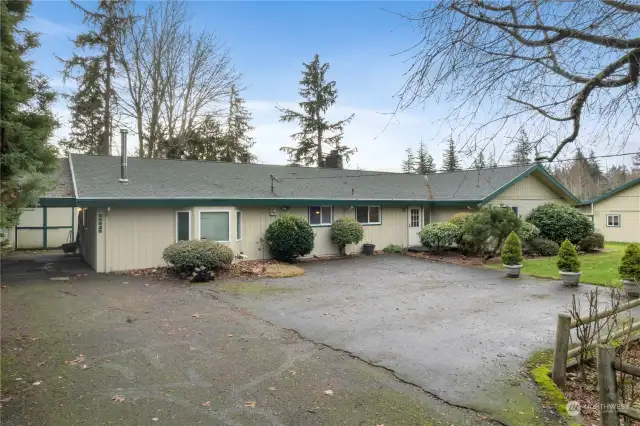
x=612, y=192
x=156, y=181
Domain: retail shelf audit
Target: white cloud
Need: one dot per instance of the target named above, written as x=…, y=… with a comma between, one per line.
x=47, y=27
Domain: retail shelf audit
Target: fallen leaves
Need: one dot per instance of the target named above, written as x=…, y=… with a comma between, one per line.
x=196, y=315
x=38, y=383
x=229, y=335
x=155, y=419
x=206, y=404
x=328, y=392
x=79, y=359
x=271, y=388
x=250, y=404
x=118, y=398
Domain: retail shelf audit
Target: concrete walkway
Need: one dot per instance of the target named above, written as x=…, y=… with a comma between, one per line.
x=461, y=334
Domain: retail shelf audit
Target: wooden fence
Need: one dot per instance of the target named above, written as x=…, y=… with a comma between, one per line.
x=562, y=353
x=610, y=409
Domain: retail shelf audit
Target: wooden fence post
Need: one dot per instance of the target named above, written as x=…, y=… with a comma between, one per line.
x=563, y=331
x=607, y=386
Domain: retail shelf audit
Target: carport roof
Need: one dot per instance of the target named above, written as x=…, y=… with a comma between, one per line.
x=183, y=182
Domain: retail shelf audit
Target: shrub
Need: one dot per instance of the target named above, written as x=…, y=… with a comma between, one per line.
x=558, y=223
x=568, y=258
x=186, y=256
x=491, y=224
x=393, y=248
x=458, y=219
x=512, y=250
x=346, y=231
x=630, y=264
x=591, y=242
x=528, y=232
x=438, y=235
x=289, y=237
x=544, y=247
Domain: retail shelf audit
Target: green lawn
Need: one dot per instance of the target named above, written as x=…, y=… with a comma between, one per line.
x=599, y=268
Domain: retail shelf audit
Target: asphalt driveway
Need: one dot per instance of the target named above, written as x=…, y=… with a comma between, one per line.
x=462, y=334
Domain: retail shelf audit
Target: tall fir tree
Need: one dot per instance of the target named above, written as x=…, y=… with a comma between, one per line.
x=26, y=120
x=315, y=130
x=522, y=150
x=594, y=166
x=635, y=162
x=409, y=163
x=492, y=163
x=480, y=162
x=237, y=143
x=450, y=161
x=94, y=74
x=424, y=161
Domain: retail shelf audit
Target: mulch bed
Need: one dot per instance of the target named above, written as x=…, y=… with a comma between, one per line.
x=451, y=257
x=586, y=392
x=245, y=269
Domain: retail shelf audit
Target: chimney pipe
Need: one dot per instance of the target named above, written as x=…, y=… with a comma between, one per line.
x=123, y=156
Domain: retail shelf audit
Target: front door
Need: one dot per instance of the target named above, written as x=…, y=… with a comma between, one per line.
x=415, y=217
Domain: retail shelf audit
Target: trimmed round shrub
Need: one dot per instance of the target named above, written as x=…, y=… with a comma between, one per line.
x=591, y=242
x=630, y=264
x=559, y=222
x=438, y=235
x=186, y=256
x=346, y=231
x=543, y=247
x=568, y=258
x=528, y=232
x=289, y=237
x=393, y=248
x=512, y=250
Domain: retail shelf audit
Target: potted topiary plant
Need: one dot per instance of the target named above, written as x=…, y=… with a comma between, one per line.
x=568, y=264
x=512, y=255
x=630, y=270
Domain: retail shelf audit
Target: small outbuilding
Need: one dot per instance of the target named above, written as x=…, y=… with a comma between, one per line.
x=616, y=213
x=131, y=209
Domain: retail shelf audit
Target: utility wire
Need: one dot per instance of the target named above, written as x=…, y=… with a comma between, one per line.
x=446, y=171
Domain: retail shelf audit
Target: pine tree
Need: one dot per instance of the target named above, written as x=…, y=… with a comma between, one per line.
x=594, y=166
x=480, y=162
x=424, y=163
x=409, y=164
x=26, y=119
x=450, y=162
x=237, y=142
x=522, y=150
x=492, y=161
x=315, y=129
x=94, y=74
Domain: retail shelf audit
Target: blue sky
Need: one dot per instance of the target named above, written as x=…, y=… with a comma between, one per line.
x=268, y=43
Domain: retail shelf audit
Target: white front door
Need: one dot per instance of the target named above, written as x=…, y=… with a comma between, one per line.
x=415, y=218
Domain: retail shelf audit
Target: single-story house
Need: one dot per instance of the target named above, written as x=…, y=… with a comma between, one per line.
x=616, y=213
x=131, y=209
x=46, y=227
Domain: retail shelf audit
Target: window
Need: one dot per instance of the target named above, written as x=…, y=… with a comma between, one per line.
x=320, y=215
x=215, y=226
x=613, y=220
x=368, y=215
x=183, y=226
x=238, y=225
x=414, y=218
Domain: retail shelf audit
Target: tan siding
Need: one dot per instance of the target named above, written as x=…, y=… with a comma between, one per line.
x=136, y=237
x=393, y=230
x=625, y=203
x=527, y=194
x=585, y=210
x=31, y=217
x=255, y=222
x=444, y=213
x=88, y=240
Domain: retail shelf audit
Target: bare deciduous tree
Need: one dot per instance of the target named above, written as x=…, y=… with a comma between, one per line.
x=172, y=79
x=560, y=68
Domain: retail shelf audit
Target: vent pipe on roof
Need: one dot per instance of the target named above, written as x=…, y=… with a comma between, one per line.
x=123, y=155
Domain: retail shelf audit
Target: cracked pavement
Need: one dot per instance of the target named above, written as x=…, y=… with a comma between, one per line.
x=461, y=334
x=178, y=356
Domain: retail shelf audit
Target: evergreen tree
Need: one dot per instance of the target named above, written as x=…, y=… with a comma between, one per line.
x=492, y=161
x=450, y=162
x=425, y=162
x=26, y=119
x=635, y=162
x=594, y=166
x=94, y=75
x=315, y=129
x=409, y=164
x=237, y=142
x=522, y=150
x=480, y=162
